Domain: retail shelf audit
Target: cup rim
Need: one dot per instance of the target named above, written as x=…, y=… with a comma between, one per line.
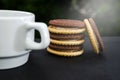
x=15, y=14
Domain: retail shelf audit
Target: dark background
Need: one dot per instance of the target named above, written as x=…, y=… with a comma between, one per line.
x=104, y=12
x=89, y=66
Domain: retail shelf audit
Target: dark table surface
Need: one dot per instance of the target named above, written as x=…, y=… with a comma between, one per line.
x=89, y=66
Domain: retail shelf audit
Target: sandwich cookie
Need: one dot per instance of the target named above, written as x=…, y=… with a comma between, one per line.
x=94, y=35
x=66, y=37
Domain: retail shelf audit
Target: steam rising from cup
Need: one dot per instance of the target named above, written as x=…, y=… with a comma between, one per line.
x=105, y=13
x=91, y=8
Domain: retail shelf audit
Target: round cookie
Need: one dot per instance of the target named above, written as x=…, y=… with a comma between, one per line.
x=65, y=53
x=92, y=36
x=98, y=36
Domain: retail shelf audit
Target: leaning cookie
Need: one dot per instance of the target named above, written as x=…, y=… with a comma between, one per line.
x=98, y=36
x=65, y=53
x=94, y=36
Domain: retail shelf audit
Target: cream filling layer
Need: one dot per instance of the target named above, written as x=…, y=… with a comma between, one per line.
x=54, y=29
x=67, y=42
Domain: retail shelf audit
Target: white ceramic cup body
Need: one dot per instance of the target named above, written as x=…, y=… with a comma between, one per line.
x=17, y=37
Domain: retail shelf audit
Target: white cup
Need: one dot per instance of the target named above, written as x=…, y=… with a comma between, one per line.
x=17, y=37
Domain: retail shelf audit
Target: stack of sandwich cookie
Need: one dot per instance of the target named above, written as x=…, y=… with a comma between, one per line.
x=66, y=37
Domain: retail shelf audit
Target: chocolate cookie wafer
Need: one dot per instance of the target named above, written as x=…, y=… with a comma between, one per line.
x=66, y=36
x=65, y=47
x=67, y=23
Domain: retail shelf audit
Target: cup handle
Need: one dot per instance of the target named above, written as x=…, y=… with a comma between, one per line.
x=43, y=30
